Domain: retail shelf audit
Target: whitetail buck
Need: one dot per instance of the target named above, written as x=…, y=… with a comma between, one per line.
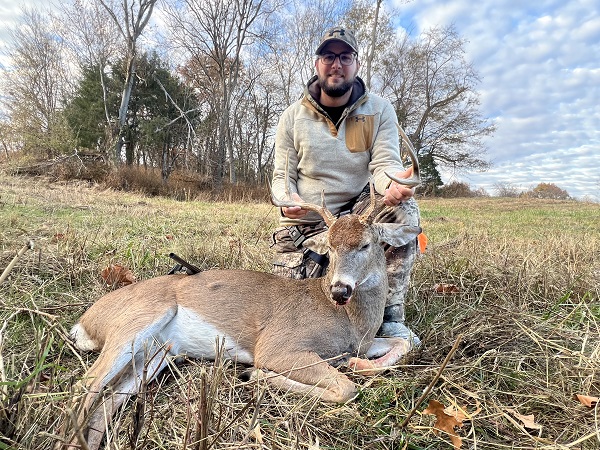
x=290, y=330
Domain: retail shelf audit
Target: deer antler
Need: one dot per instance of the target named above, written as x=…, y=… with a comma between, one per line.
x=415, y=180
x=327, y=216
x=365, y=217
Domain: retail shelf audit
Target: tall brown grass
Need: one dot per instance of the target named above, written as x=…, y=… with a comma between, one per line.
x=525, y=277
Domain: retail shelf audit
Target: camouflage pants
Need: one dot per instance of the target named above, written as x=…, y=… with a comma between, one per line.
x=292, y=262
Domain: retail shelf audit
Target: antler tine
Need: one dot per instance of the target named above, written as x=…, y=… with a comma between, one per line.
x=327, y=216
x=365, y=217
x=415, y=180
x=410, y=182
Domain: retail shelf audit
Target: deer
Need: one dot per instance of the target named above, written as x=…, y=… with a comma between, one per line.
x=295, y=334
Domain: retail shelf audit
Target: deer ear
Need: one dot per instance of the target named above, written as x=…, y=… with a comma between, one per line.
x=317, y=243
x=396, y=234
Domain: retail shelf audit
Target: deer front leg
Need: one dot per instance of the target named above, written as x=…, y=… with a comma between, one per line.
x=308, y=374
x=386, y=351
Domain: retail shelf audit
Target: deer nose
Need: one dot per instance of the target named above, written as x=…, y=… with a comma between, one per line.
x=341, y=293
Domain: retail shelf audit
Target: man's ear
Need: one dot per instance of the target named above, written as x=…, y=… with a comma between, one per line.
x=396, y=234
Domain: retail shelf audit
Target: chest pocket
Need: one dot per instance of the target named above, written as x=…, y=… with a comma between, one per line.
x=359, y=133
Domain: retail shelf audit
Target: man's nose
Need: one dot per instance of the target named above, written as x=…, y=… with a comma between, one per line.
x=336, y=62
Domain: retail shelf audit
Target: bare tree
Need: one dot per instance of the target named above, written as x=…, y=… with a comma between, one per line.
x=375, y=32
x=36, y=85
x=298, y=29
x=130, y=18
x=89, y=34
x=214, y=34
x=255, y=116
x=433, y=89
x=506, y=189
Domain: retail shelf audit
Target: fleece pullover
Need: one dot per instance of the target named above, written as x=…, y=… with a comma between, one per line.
x=337, y=159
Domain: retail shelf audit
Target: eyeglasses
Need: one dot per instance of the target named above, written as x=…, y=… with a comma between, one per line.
x=346, y=58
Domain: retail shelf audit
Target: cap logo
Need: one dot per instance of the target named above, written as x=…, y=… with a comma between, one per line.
x=339, y=31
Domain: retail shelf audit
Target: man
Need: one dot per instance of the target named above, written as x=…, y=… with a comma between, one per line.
x=333, y=140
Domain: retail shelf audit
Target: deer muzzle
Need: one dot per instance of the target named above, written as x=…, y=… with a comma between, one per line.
x=341, y=292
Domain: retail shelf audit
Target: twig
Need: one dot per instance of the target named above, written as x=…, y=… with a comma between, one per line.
x=253, y=421
x=28, y=246
x=78, y=432
x=432, y=383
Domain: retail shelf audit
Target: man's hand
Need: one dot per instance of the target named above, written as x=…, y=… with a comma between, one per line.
x=294, y=212
x=397, y=193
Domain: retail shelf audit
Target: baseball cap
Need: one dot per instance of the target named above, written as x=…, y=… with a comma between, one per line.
x=338, y=34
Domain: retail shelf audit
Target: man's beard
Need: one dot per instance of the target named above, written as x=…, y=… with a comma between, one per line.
x=337, y=90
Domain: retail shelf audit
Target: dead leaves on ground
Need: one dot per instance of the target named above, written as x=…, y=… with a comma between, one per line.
x=527, y=421
x=449, y=419
x=445, y=288
x=588, y=401
x=117, y=276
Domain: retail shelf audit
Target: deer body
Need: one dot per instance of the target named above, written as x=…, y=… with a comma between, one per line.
x=193, y=310
x=292, y=331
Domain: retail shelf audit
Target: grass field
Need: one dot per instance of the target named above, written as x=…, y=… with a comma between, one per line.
x=524, y=311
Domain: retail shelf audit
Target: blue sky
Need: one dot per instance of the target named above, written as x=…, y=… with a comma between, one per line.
x=540, y=69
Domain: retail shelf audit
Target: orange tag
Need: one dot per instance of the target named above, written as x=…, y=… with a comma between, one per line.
x=422, y=239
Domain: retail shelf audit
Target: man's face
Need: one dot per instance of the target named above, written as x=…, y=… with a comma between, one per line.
x=336, y=79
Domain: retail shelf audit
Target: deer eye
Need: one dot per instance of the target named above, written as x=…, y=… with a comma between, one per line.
x=365, y=247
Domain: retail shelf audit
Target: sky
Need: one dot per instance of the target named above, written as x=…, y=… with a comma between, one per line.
x=539, y=64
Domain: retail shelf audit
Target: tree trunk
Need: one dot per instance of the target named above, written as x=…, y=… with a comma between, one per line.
x=371, y=52
x=127, y=88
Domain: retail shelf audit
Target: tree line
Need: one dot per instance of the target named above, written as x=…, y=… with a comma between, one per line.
x=198, y=85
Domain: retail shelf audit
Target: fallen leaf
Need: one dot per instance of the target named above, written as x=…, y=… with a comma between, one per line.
x=528, y=421
x=443, y=288
x=116, y=275
x=587, y=400
x=460, y=413
x=444, y=422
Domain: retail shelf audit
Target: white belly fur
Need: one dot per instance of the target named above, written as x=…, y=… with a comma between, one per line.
x=189, y=334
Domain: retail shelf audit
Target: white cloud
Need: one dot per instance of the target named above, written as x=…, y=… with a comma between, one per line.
x=540, y=83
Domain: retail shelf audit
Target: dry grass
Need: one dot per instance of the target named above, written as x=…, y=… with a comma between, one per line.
x=527, y=312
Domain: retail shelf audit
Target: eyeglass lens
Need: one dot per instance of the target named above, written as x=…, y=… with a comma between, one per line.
x=346, y=58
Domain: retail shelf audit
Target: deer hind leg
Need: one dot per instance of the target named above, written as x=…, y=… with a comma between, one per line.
x=146, y=365
x=116, y=375
x=309, y=375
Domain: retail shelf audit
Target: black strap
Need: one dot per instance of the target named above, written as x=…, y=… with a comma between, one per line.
x=322, y=260
x=298, y=239
x=189, y=268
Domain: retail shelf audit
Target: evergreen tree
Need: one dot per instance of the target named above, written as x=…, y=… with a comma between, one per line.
x=430, y=176
x=85, y=112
